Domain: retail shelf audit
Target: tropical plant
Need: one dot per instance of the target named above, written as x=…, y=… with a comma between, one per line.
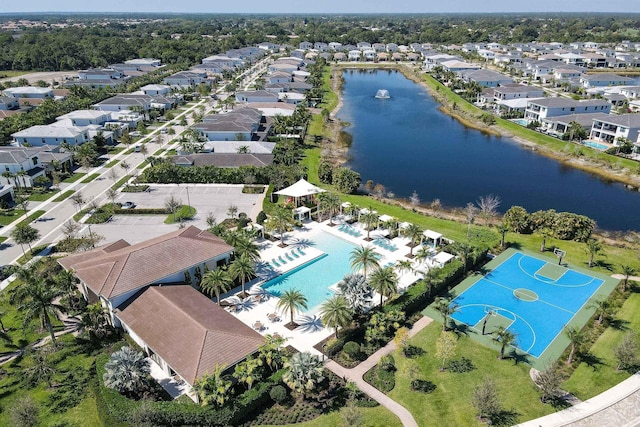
x=364, y=258
x=627, y=352
x=503, y=229
x=414, y=233
x=213, y=388
x=505, y=338
x=243, y=269
x=292, y=301
x=126, y=371
x=303, y=372
x=25, y=234
x=246, y=247
x=95, y=320
x=446, y=308
x=216, y=282
x=485, y=399
x=336, y=313
x=281, y=218
x=36, y=298
x=330, y=204
x=464, y=251
x=576, y=337
x=270, y=353
x=628, y=271
x=603, y=308
x=593, y=247
x=24, y=412
x=385, y=282
x=369, y=219
x=246, y=371
x=355, y=289
x=68, y=283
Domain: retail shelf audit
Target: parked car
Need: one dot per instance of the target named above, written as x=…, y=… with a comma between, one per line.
x=128, y=205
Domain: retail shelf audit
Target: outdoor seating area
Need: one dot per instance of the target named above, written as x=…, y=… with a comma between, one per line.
x=385, y=244
x=288, y=256
x=350, y=230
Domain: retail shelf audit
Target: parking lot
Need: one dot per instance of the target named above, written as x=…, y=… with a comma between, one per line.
x=206, y=198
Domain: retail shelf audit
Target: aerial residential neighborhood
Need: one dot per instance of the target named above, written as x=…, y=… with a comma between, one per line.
x=319, y=219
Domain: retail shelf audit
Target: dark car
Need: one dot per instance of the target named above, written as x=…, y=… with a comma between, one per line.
x=128, y=205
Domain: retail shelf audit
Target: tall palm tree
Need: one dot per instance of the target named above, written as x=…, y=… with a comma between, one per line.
x=593, y=248
x=414, y=233
x=331, y=204
x=215, y=282
x=446, y=308
x=505, y=338
x=576, y=337
x=126, y=371
x=243, y=269
x=36, y=297
x=628, y=271
x=292, y=300
x=385, y=282
x=464, y=251
x=68, y=283
x=213, y=388
x=245, y=246
x=404, y=266
x=503, y=229
x=369, y=219
x=336, y=313
x=303, y=372
x=282, y=219
x=364, y=258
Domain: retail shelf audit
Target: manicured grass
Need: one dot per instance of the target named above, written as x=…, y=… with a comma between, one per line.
x=41, y=197
x=172, y=152
x=158, y=152
x=10, y=216
x=116, y=150
x=64, y=196
x=112, y=163
x=120, y=182
x=30, y=254
x=378, y=416
x=184, y=211
x=3, y=238
x=450, y=403
x=73, y=178
x=12, y=320
x=32, y=217
x=90, y=178
x=588, y=381
x=143, y=164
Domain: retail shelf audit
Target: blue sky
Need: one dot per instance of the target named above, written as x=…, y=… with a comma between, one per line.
x=321, y=6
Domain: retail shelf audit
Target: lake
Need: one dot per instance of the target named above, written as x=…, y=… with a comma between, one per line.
x=407, y=144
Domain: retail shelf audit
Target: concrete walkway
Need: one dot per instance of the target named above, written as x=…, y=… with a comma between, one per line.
x=356, y=374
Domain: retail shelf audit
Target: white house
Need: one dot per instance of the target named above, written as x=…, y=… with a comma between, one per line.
x=156, y=90
x=604, y=79
x=29, y=92
x=86, y=117
x=19, y=166
x=549, y=107
x=614, y=128
x=256, y=96
x=305, y=45
x=51, y=135
x=354, y=55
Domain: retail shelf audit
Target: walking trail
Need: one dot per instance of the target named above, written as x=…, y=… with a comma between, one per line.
x=356, y=374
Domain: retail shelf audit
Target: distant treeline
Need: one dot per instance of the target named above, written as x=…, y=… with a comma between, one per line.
x=188, y=38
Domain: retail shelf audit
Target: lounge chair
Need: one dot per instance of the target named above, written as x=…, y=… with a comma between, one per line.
x=281, y=259
x=274, y=262
x=289, y=257
x=293, y=252
x=301, y=251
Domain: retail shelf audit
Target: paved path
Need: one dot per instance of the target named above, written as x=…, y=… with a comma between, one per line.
x=356, y=374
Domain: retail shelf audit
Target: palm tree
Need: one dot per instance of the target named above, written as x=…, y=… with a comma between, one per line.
x=505, y=338
x=575, y=338
x=42, y=368
x=503, y=229
x=303, y=372
x=414, y=233
x=627, y=271
x=245, y=372
x=336, y=313
x=243, y=269
x=545, y=233
x=213, y=388
x=215, y=282
x=446, y=308
x=404, y=266
x=282, y=220
x=602, y=309
x=245, y=246
x=355, y=289
x=36, y=298
x=422, y=254
x=593, y=248
x=464, y=251
x=364, y=258
x=385, y=282
x=292, y=300
x=95, y=319
x=270, y=353
x=331, y=204
x=369, y=219
x=68, y=283
x=126, y=371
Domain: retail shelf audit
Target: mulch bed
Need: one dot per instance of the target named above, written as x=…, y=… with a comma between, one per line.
x=291, y=326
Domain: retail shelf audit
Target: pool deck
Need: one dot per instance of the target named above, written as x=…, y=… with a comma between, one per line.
x=311, y=331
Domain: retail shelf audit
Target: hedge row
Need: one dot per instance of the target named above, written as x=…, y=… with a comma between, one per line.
x=114, y=409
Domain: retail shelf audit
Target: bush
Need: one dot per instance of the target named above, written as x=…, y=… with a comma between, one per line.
x=135, y=188
x=278, y=394
x=460, y=366
x=261, y=218
x=243, y=222
x=387, y=363
x=351, y=349
x=383, y=380
x=423, y=386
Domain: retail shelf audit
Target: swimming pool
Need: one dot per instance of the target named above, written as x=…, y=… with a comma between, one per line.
x=314, y=278
x=521, y=122
x=596, y=145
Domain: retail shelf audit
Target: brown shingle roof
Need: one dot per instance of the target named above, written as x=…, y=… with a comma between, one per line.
x=188, y=330
x=119, y=268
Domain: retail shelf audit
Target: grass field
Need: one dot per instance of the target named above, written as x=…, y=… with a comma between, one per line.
x=73, y=178
x=112, y=163
x=8, y=217
x=90, y=178
x=378, y=416
x=64, y=196
x=41, y=197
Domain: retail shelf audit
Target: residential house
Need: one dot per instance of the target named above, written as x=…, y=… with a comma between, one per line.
x=604, y=79
x=614, y=128
x=129, y=102
x=321, y=46
x=156, y=90
x=279, y=77
x=53, y=134
x=20, y=166
x=241, y=124
x=631, y=92
x=485, y=78
x=7, y=195
x=561, y=124
x=335, y=46
x=98, y=78
x=29, y=92
x=354, y=55
x=594, y=60
x=256, y=96
x=186, y=78
x=9, y=103
x=82, y=118
x=369, y=54
x=305, y=45
x=225, y=160
x=455, y=66
x=539, y=109
x=269, y=46
x=185, y=332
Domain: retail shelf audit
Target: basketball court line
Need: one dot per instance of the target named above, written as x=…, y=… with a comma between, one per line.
x=538, y=300
x=549, y=281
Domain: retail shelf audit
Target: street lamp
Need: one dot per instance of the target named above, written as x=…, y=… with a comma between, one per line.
x=324, y=346
x=93, y=245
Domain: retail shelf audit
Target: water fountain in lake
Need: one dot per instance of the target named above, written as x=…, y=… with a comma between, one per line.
x=383, y=94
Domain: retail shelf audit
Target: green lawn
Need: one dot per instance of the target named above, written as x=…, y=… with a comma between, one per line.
x=29, y=254
x=7, y=217
x=73, y=178
x=64, y=196
x=588, y=381
x=112, y=163
x=143, y=164
x=41, y=197
x=32, y=216
x=3, y=238
x=120, y=182
x=90, y=178
x=450, y=403
x=158, y=152
x=371, y=417
x=184, y=211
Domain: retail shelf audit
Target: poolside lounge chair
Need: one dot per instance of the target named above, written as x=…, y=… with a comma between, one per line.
x=274, y=262
x=281, y=259
x=301, y=251
x=293, y=252
x=289, y=257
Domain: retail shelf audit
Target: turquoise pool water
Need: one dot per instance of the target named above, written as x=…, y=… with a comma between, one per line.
x=314, y=278
x=595, y=145
x=521, y=122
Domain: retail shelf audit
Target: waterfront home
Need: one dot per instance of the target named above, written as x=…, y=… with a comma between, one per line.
x=241, y=124
x=561, y=124
x=615, y=129
x=256, y=96
x=630, y=92
x=225, y=160
x=604, y=79
x=455, y=66
x=504, y=93
x=485, y=78
x=549, y=107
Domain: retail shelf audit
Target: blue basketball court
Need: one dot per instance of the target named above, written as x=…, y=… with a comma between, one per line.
x=532, y=298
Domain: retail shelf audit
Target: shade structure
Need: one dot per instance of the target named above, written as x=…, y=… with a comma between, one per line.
x=442, y=258
x=404, y=224
x=300, y=189
x=385, y=218
x=301, y=212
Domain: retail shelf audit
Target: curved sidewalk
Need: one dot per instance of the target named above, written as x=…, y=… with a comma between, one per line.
x=618, y=406
x=356, y=374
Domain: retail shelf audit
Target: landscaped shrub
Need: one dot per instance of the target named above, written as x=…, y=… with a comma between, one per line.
x=352, y=349
x=278, y=393
x=381, y=379
x=387, y=363
x=135, y=188
x=423, y=386
x=460, y=365
x=243, y=222
x=261, y=218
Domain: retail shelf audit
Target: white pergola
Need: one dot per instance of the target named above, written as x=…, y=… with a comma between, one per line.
x=300, y=189
x=301, y=211
x=385, y=218
x=442, y=258
x=434, y=236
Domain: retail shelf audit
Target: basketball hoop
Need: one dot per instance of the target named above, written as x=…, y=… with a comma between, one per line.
x=560, y=254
